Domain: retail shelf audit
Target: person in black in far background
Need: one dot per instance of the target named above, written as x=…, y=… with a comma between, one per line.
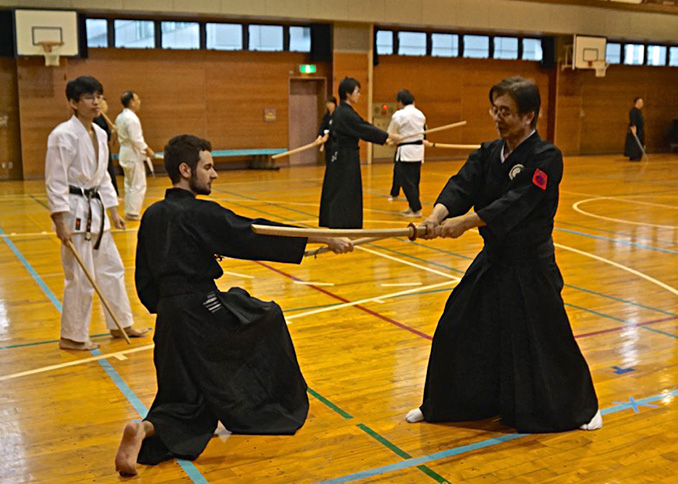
x=637, y=128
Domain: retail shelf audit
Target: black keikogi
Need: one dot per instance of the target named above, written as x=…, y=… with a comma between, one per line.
x=504, y=345
x=219, y=356
x=341, y=202
x=631, y=147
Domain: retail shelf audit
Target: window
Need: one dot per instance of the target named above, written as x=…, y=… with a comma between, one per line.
x=224, y=36
x=634, y=54
x=411, y=43
x=505, y=48
x=673, y=56
x=532, y=50
x=266, y=37
x=656, y=55
x=97, y=32
x=180, y=35
x=444, y=45
x=134, y=34
x=477, y=46
x=300, y=39
x=384, y=42
x=613, y=53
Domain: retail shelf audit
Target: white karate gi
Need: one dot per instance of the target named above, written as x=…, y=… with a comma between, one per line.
x=405, y=121
x=70, y=161
x=132, y=156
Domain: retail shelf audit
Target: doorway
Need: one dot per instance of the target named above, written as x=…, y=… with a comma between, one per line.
x=307, y=101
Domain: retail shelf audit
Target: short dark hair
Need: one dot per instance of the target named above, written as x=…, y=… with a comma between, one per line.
x=184, y=148
x=404, y=96
x=635, y=99
x=83, y=85
x=523, y=91
x=126, y=98
x=332, y=100
x=347, y=86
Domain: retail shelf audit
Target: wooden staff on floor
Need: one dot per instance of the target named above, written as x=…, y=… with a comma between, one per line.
x=435, y=130
x=70, y=245
x=298, y=150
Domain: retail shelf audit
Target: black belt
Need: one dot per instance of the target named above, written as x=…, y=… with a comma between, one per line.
x=89, y=194
x=418, y=142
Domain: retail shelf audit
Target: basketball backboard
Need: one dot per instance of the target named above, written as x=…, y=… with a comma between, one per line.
x=587, y=51
x=33, y=27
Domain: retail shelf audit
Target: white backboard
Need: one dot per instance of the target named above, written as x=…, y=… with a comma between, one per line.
x=34, y=26
x=587, y=50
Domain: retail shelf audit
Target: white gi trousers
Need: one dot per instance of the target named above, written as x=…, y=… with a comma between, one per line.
x=106, y=267
x=135, y=185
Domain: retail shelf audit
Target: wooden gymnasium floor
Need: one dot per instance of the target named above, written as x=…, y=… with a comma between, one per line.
x=362, y=325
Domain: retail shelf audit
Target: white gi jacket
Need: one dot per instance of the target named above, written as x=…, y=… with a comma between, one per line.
x=131, y=138
x=70, y=161
x=408, y=120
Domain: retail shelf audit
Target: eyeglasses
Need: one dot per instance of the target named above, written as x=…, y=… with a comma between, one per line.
x=502, y=112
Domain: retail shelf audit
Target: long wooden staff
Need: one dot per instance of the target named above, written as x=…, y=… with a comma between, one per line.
x=70, y=245
x=298, y=150
x=411, y=232
x=322, y=250
x=435, y=130
x=459, y=147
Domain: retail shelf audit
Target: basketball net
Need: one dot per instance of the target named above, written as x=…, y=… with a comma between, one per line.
x=600, y=66
x=51, y=52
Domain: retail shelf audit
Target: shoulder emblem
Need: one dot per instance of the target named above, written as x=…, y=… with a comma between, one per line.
x=540, y=179
x=515, y=171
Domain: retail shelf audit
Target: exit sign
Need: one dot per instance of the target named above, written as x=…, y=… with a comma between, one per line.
x=307, y=68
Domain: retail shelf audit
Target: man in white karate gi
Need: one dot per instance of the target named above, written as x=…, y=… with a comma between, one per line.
x=79, y=189
x=133, y=152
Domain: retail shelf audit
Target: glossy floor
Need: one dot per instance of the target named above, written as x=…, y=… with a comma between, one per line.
x=362, y=325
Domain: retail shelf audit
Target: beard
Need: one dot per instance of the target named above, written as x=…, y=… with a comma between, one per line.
x=197, y=189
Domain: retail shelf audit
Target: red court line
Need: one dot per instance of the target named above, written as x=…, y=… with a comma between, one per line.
x=424, y=335
x=358, y=306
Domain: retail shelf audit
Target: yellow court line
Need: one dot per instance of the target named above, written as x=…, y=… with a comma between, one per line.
x=575, y=206
x=659, y=283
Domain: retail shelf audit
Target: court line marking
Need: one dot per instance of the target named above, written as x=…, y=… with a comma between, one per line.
x=238, y=275
x=408, y=463
x=311, y=283
x=576, y=205
x=401, y=284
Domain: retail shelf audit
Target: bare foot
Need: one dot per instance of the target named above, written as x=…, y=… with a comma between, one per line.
x=131, y=331
x=130, y=445
x=69, y=344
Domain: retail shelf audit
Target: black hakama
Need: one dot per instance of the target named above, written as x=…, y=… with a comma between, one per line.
x=504, y=345
x=631, y=148
x=341, y=201
x=219, y=356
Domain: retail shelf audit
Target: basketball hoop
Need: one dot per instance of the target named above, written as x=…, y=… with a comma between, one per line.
x=600, y=66
x=50, y=50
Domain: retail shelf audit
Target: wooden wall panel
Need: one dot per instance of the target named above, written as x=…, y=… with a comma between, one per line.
x=450, y=90
x=10, y=136
x=217, y=95
x=592, y=116
x=356, y=65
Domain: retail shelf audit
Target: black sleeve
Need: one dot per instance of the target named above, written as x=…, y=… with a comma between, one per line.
x=525, y=194
x=351, y=124
x=461, y=191
x=635, y=118
x=147, y=287
x=229, y=234
x=324, y=124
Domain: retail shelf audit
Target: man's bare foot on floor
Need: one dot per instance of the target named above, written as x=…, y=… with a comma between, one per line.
x=131, y=331
x=69, y=344
x=130, y=445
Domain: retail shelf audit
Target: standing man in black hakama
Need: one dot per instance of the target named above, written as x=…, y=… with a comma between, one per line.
x=504, y=345
x=341, y=202
x=637, y=128
x=219, y=356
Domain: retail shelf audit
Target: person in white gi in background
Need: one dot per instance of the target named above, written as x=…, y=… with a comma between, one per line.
x=133, y=152
x=410, y=152
x=79, y=188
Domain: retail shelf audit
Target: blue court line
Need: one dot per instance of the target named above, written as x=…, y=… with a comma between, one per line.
x=618, y=241
x=629, y=323
x=406, y=464
x=188, y=467
x=616, y=232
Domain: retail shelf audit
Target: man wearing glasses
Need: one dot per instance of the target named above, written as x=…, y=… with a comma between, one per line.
x=504, y=346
